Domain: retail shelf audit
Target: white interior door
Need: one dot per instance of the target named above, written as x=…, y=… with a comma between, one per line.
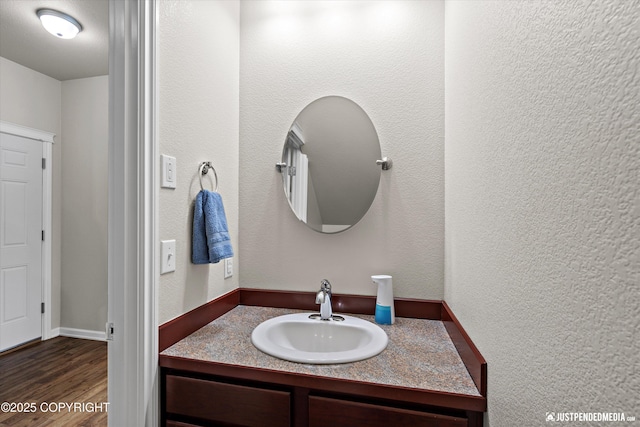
x=20, y=240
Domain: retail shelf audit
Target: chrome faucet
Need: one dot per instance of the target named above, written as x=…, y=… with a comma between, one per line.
x=323, y=297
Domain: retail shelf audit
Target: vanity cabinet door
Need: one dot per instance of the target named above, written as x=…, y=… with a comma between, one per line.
x=325, y=411
x=228, y=404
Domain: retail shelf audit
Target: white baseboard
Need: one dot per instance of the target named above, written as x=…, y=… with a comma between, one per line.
x=55, y=332
x=83, y=333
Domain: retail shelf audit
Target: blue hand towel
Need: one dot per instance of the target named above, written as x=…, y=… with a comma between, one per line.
x=210, y=240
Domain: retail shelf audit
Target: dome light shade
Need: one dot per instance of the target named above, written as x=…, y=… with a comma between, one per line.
x=59, y=24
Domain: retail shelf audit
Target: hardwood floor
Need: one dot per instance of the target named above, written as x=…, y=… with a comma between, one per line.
x=39, y=381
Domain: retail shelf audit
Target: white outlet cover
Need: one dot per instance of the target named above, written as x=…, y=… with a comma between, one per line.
x=228, y=267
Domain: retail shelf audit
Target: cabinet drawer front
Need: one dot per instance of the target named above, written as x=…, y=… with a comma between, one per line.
x=343, y=413
x=227, y=403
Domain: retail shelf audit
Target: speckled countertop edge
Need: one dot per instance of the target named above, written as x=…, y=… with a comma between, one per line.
x=419, y=355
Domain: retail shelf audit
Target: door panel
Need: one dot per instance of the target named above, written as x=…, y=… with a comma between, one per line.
x=14, y=293
x=14, y=203
x=20, y=240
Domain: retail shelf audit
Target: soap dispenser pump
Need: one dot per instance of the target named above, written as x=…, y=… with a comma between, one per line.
x=385, y=312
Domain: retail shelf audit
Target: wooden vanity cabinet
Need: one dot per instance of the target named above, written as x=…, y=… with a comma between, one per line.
x=213, y=401
x=197, y=391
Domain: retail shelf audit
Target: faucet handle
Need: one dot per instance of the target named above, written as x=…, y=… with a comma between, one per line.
x=325, y=286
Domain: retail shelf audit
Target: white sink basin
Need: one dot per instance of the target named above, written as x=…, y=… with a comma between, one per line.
x=297, y=338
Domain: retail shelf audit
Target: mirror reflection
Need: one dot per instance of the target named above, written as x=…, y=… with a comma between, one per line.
x=329, y=169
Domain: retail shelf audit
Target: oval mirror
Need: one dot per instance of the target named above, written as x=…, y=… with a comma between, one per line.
x=329, y=166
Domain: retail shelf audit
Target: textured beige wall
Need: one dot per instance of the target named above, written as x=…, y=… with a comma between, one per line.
x=31, y=99
x=542, y=201
x=198, y=73
x=85, y=122
x=389, y=58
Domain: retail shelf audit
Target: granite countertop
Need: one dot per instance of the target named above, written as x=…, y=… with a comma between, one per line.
x=419, y=354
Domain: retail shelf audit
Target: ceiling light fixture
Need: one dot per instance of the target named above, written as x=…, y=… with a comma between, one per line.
x=59, y=24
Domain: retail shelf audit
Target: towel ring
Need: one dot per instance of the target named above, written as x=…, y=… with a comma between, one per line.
x=203, y=170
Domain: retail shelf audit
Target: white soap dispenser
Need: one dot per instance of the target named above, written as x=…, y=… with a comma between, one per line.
x=385, y=312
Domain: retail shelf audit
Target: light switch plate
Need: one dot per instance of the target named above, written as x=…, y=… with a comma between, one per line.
x=168, y=253
x=228, y=267
x=169, y=171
